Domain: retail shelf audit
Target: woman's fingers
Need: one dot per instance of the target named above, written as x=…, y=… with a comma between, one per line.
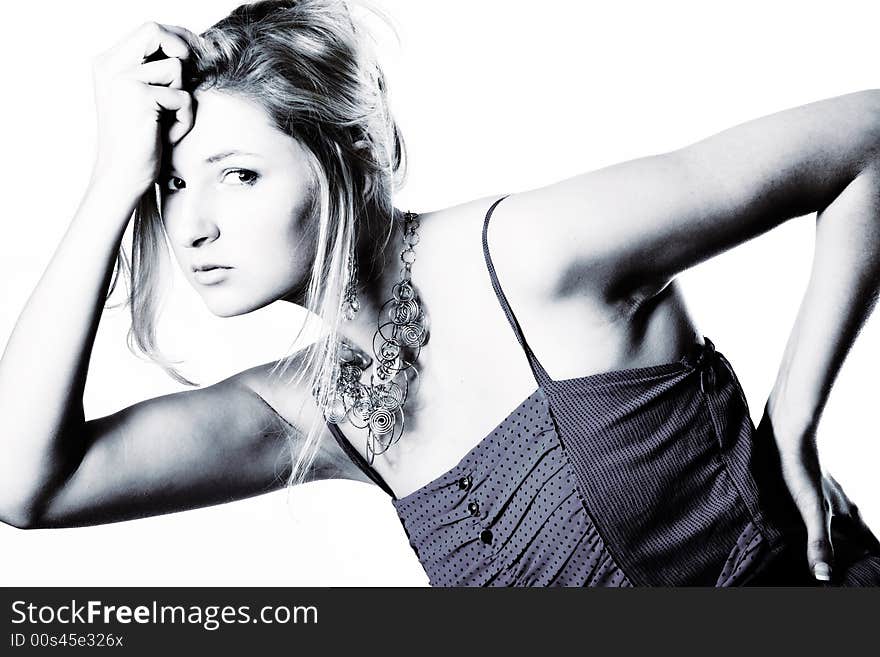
x=182, y=32
x=145, y=42
x=140, y=99
x=847, y=511
x=165, y=72
x=179, y=102
x=840, y=502
x=151, y=37
x=803, y=478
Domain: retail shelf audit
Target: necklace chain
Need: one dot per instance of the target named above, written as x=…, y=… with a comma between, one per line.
x=378, y=405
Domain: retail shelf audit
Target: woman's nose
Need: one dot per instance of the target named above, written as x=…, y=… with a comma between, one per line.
x=195, y=223
x=201, y=233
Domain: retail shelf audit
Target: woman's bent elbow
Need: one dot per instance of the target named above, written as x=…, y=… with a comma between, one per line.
x=19, y=518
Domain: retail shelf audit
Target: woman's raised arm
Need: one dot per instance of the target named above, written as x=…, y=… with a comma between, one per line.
x=629, y=228
x=44, y=365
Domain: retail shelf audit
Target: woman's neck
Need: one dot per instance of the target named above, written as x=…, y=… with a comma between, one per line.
x=379, y=268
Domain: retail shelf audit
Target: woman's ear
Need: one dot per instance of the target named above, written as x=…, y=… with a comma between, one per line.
x=362, y=147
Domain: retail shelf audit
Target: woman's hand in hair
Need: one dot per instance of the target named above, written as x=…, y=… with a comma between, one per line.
x=138, y=83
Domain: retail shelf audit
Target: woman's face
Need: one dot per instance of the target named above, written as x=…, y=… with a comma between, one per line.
x=236, y=194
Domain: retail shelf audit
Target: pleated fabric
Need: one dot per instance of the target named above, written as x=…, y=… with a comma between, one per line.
x=509, y=514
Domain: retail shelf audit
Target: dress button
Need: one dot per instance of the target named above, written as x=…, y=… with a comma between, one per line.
x=474, y=508
x=464, y=483
x=486, y=536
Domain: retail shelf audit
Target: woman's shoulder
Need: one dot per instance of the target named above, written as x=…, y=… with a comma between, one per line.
x=520, y=238
x=561, y=241
x=279, y=391
x=509, y=232
x=472, y=210
x=289, y=397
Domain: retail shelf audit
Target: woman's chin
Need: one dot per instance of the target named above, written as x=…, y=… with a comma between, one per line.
x=224, y=300
x=233, y=307
x=226, y=313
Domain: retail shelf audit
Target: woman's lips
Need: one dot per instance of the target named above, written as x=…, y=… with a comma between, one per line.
x=210, y=276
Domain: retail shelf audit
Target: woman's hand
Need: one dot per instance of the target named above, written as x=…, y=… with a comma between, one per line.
x=802, y=500
x=802, y=474
x=135, y=84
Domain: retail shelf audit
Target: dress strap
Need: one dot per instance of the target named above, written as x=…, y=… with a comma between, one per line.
x=538, y=370
x=359, y=460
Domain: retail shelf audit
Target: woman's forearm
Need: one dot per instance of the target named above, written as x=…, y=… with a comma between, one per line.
x=44, y=365
x=840, y=295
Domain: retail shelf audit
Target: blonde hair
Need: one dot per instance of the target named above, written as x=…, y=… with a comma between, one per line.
x=315, y=73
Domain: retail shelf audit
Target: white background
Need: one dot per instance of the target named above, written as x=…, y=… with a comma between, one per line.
x=493, y=97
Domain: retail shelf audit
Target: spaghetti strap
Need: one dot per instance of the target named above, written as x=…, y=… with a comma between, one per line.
x=538, y=370
x=359, y=460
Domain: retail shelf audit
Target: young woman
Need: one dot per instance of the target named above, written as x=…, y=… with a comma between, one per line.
x=631, y=462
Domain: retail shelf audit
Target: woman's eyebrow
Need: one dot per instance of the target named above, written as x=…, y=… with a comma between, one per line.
x=219, y=156
x=169, y=166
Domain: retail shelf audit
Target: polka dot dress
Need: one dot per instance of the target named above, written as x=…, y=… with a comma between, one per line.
x=509, y=514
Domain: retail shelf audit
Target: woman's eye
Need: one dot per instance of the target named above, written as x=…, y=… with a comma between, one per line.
x=170, y=184
x=244, y=176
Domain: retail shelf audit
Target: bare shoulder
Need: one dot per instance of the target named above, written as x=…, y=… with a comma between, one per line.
x=531, y=250
x=293, y=403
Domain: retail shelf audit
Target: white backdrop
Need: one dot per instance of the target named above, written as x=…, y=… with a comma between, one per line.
x=493, y=96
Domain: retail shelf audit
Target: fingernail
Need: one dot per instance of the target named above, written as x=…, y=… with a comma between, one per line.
x=822, y=571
